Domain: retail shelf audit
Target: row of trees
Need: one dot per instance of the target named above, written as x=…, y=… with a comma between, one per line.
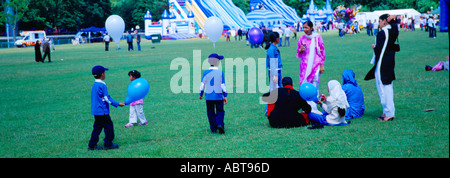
x=77, y=14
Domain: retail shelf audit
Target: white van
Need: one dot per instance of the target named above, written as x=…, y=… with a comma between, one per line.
x=30, y=38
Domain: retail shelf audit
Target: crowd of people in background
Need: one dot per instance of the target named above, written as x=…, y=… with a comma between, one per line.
x=129, y=37
x=426, y=23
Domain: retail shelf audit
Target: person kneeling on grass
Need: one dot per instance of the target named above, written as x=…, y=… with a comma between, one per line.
x=287, y=103
x=334, y=107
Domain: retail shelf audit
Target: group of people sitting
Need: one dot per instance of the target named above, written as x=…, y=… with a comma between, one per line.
x=343, y=103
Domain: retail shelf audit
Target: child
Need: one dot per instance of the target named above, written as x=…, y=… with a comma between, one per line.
x=100, y=101
x=274, y=65
x=354, y=95
x=136, y=108
x=216, y=94
x=274, y=53
x=334, y=107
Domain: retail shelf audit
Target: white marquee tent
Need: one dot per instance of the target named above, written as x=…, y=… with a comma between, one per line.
x=364, y=17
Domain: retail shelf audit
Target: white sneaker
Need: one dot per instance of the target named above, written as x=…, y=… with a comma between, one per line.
x=129, y=125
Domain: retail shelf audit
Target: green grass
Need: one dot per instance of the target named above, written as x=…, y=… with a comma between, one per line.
x=45, y=108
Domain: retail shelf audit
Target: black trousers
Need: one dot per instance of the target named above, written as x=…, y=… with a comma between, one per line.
x=432, y=32
x=102, y=121
x=214, y=109
x=45, y=55
x=130, y=46
x=106, y=46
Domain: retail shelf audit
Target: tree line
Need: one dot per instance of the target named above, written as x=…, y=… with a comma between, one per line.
x=74, y=15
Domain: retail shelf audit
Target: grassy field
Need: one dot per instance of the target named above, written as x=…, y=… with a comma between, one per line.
x=45, y=108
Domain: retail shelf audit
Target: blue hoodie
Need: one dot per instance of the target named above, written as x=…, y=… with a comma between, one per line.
x=214, y=82
x=354, y=94
x=273, y=52
x=100, y=99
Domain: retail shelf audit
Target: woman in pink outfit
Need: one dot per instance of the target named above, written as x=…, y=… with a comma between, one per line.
x=311, y=52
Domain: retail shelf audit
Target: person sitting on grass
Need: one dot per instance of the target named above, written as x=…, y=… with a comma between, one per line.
x=287, y=103
x=354, y=95
x=334, y=106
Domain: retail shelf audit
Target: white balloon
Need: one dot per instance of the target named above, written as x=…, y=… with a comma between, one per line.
x=115, y=27
x=213, y=28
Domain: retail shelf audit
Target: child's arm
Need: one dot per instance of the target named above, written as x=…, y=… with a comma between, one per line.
x=202, y=87
x=224, y=90
x=108, y=98
x=322, y=101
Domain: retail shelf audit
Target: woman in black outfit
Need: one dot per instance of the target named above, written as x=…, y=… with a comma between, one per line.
x=383, y=70
x=37, y=51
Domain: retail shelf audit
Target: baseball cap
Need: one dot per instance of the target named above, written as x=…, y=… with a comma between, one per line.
x=214, y=55
x=213, y=58
x=98, y=70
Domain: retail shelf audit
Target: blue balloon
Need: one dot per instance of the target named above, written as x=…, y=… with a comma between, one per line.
x=256, y=36
x=137, y=90
x=308, y=92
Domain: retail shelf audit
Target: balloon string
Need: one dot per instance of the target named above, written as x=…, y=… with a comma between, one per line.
x=123, y=60
x=214, y=44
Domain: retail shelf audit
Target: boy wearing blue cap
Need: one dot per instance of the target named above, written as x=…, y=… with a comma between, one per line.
x=216, y=94
x=100, y=101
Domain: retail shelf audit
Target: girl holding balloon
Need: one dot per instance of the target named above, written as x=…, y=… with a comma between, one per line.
x=311, y=52
x=136, y=107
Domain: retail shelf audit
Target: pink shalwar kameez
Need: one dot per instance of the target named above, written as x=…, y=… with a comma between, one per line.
x=317, y=49
x=310, y=60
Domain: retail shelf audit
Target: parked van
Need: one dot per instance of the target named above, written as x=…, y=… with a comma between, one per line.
x=30, y=38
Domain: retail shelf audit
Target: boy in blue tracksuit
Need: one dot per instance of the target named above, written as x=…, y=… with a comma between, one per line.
x=216, y=94
x=100, y=101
